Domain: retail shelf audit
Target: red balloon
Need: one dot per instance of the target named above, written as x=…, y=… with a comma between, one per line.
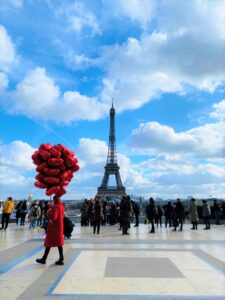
x=62, y=167
x=61, y=192
x=65, y=175
x=59, y=147
x=56, y=165
x=64, y=182
x=41, y=167
x=40, y=177
x=75, y=168
x=55, y=162
x=36, y=158
x=70, y=162
x=52, y=190
x=45, y=147
x=55, y=153
x=40, y=185
x=51, y=180
x=51, y=172
x=45, y=155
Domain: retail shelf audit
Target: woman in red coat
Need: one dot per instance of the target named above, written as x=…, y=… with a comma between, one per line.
x=54, y=236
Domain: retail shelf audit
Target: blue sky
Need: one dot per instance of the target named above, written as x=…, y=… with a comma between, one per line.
x=163, y=62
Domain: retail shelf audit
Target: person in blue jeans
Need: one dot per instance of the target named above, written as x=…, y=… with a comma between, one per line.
x=35, y=213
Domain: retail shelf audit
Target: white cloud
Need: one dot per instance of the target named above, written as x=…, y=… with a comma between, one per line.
x=79, y=18
x=219, y=110
x=187, y=48
x=16, y=169
x=39, y=97
x=203, y=141
x=17, y=155
x=7, y=50
x=7, y=57
x=142, y=11
x=3, y=81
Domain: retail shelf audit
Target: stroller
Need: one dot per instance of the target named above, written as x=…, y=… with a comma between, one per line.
x=68, y=227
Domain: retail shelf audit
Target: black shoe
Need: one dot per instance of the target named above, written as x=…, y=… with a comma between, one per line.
x=59, y=262
x=98, y=232
x=174, y=229
x=152, y=231
x=205, y=228
x=180, y=229
x=192, y=228
x=41, y=261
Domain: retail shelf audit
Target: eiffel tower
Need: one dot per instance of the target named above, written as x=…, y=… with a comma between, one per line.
x=111, y=167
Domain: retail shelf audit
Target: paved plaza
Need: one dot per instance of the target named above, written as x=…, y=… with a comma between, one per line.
x=164, y=265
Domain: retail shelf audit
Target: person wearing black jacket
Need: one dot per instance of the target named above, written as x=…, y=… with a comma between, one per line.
x=125, y=209
x=150, y=213
x=136, y=210
x=158, y=216
x=97, y=216
x=168, y=212
x=178, y=215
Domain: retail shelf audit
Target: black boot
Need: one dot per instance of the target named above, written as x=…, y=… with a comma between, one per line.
x=41, y=261
x=60, y=262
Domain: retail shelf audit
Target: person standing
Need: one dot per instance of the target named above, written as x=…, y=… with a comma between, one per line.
x=136, y=210
x=150, y=213
x=125, y=209
x=18, y=212
x=23, y=212
x=35, y=213
x=168, y=212
x=7, y=210
x=158, y=216
x=206, y=213
x=217, y=211
x=193, y=214
x=55, y=232
x=178, y=215
x=97, y=216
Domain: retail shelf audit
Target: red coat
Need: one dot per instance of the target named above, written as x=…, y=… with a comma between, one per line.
x=55, y=228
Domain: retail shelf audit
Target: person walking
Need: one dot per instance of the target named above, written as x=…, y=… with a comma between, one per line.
x=193, y=214
x=206, y=213
x=7, y=210
x=150, y=213
x=97, y=216
x=178, y=215
x=55, y=232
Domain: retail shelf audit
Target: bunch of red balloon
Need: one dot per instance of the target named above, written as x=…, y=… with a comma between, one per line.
x=55, y=167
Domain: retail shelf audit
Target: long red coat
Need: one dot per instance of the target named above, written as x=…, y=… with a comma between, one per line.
x=55, y=228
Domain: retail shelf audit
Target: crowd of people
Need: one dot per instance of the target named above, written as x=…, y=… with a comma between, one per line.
x=52, y=217
x=100, y=212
